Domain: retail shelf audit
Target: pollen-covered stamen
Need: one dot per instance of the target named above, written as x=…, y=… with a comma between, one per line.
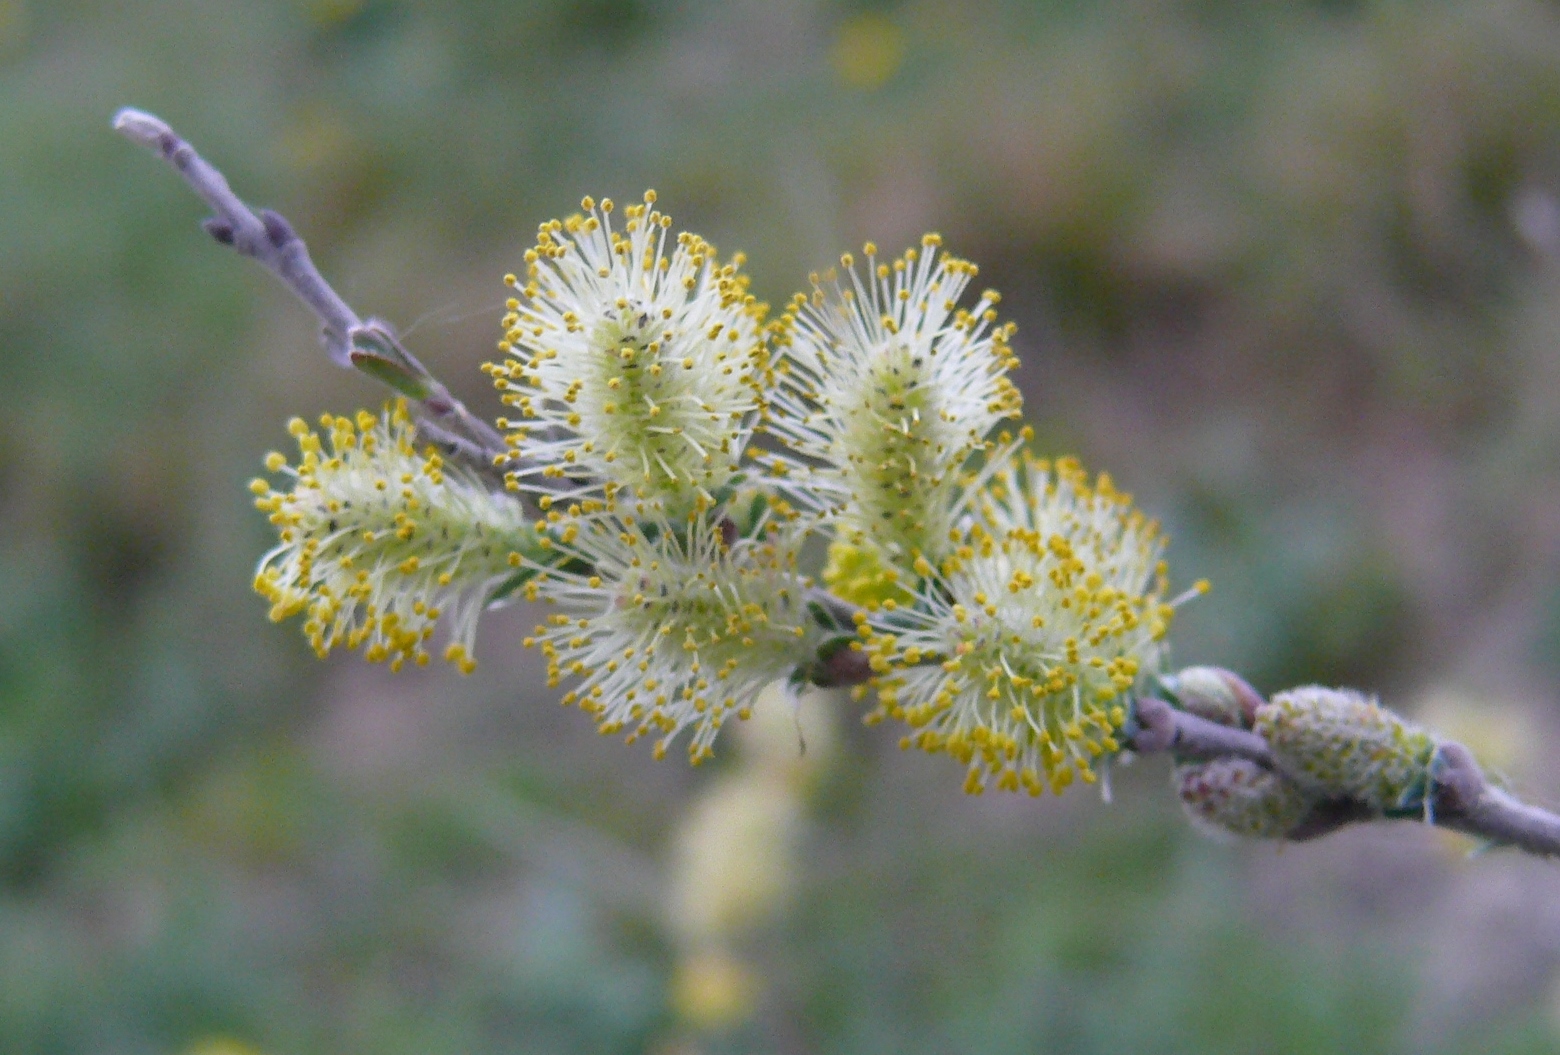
x=1045, y=616
x=675, y=625
x=637, y=359
x=885, y=389
x=378, y=541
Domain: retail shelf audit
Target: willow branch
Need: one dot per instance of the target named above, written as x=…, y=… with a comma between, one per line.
x=266, y=237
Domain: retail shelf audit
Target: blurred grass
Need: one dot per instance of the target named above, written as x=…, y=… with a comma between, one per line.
x=1265, y=270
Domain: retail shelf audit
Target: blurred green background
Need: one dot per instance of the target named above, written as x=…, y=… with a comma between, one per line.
x=1287, y=270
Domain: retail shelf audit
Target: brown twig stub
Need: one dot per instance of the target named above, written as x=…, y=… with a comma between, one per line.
x=377, y=351
x=844, y=668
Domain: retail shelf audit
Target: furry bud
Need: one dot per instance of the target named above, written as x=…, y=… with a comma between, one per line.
x=1235, y=796
x=1341, y=744
x=1215, y=694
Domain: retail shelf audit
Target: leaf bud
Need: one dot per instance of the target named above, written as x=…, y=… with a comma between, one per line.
x=1215, y=694
x=1341, y=744
x=1235, y=796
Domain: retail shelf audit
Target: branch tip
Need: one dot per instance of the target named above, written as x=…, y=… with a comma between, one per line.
x=149, y=130
x=266, y=237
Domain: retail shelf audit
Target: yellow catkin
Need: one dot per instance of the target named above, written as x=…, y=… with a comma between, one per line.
x=1020, y=656
x=674, y=627
x=886, y=391
x=635, y=358
x=378, y=541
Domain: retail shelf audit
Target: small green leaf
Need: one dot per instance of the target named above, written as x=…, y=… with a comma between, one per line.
x=377, y=353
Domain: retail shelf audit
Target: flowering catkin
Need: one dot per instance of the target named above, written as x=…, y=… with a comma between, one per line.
x=885, y=388
x=635, y=358
x=669, y=625
x=378, y=542
x=1017, y=657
